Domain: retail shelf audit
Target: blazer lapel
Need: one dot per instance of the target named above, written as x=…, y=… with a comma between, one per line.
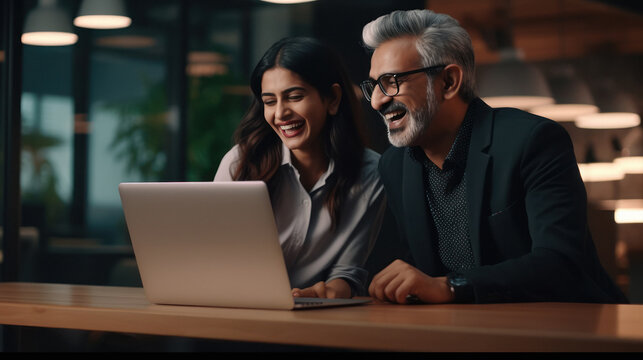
x=476, y=170
x=416, y=222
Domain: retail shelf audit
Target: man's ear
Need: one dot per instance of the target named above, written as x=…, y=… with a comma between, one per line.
x=336, y=98
x=452, y=76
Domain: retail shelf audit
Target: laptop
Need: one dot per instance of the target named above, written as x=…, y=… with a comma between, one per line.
x=210, y=244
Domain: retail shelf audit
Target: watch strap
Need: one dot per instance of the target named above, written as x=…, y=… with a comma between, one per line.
x=461, y=288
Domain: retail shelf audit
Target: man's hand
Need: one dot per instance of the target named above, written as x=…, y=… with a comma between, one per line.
x=399, y=279
x=336, y=288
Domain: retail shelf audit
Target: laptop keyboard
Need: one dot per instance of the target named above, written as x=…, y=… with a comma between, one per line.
x=322, y=302
x=309, y=303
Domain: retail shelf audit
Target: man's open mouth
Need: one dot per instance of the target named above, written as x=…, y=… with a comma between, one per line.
x=395, y=115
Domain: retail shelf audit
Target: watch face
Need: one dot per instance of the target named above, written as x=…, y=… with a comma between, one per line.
x=458, y=280
x=461, y=288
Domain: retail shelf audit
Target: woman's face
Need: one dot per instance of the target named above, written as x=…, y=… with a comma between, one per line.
x=295, y=109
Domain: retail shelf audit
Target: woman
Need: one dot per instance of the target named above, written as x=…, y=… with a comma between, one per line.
x=300, y=137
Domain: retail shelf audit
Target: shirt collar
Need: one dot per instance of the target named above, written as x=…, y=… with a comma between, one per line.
x=286, y=160
x=457, y=155
x=285, y=155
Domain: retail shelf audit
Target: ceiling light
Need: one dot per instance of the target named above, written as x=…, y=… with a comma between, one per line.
x=617, y=110
x=571, y=95
x=630, y=164
x=628, y=215
x=631, y=161
x=611, y=120
x=600, y=171
x=48, y=25
x=513, y=83
x=626, y=211
x=102, y=14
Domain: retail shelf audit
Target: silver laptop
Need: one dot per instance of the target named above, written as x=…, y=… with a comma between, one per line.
x=210, y=244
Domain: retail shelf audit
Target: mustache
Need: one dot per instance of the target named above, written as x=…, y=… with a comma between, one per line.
x=391, y=107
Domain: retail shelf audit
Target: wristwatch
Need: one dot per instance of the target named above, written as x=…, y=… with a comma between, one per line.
x=460, y=288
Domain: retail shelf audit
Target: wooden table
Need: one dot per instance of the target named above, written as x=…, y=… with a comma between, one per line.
x=493, y=327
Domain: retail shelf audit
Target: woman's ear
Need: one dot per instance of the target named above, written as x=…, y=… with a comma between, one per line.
x=452, y=76
x=336, y=98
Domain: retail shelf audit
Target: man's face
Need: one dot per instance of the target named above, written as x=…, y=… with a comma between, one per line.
x=408, y=114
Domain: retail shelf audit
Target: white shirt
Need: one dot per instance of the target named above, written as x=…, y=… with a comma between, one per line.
x=313, y=252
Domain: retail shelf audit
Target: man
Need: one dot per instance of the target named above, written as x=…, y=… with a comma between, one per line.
x=489, y=202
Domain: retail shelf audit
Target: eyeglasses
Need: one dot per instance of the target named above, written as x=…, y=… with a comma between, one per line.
x=389, y=83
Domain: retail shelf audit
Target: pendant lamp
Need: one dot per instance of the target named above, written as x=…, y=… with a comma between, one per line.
x=48, y=25
x=628, y=211
x=631, y=159
x=572, y=97
x=617, y=109
x=600, y=171
x=628, y=216
x=102, y=14
x=512, y=82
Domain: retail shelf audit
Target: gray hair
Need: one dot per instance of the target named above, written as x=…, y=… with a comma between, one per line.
x=441, y=40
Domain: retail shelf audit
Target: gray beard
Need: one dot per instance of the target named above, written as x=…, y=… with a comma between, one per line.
x=419, y=121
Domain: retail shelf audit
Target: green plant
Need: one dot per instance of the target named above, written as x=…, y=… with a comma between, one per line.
x=41, y=187
x=216, y=105
x=142, y=131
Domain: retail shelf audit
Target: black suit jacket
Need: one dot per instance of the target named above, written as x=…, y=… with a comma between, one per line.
x=527, y=212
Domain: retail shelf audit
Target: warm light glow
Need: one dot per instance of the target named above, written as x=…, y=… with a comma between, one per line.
x=520, y=102
x=611, y=120
x=630, y=164
x=126, y=41
x=102, y=21
x=595, y=172
x=1, y=56
x=207, y=63
x=207, y=57
x=287, y=1
x=49, y=38
x=204, y=69
x=564, y=112
x=628, y=215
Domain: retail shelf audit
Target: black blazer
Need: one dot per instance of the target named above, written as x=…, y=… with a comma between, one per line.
x=527, y=212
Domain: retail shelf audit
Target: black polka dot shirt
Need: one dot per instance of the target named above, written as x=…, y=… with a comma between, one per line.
x=445, y=194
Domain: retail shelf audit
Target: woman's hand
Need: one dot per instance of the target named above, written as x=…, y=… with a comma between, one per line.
x=336, y=288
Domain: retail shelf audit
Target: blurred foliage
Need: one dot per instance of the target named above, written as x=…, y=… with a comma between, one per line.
x=216, y=106
x=41, y=187
x=142, y=133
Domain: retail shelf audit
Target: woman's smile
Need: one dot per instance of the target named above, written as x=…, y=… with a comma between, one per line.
x=292, y=128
